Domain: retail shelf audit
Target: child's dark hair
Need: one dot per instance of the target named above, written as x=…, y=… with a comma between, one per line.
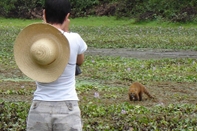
x=56, y=10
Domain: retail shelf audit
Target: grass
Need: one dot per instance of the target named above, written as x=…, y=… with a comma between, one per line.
x=98, y=21
x=115, y=22
x=10, y=22
x=107, y=32
x=123, y=69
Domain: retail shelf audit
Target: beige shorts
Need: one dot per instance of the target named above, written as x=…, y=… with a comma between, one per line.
x=54, y=116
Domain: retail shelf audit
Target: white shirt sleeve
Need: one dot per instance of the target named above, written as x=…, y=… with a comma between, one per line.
x=82, y=44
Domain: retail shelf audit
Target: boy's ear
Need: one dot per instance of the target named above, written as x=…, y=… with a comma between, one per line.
x=67, y=16
x=67, y=22
x=44, y=16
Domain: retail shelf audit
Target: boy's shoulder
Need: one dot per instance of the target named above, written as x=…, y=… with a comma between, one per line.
x=73, y=35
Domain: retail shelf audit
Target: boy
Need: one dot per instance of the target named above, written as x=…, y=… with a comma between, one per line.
x=55, y=104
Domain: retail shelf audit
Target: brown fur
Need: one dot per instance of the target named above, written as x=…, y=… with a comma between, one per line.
x=136, y=91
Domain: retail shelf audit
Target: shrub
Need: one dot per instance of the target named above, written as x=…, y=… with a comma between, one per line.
x=80, y=7
x=173, y=10
x=20, y=8
x=170, y=10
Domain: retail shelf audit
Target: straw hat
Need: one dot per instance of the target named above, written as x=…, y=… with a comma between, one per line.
x=41, y=52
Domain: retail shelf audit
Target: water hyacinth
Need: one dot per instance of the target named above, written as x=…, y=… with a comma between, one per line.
x=123, y=111
x=154, y=68
x=142, y=66
x=96, y=95
x=128, y=69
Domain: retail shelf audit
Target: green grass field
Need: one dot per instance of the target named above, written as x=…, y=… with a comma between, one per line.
x=107, y=32
x=97, y=21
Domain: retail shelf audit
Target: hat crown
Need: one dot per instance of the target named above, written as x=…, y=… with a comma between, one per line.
x=44, y=51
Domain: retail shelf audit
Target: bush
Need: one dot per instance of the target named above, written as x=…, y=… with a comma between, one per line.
x=20, y=8
x=32, y=8
x=81, y=7
x=173, y=10
x=170, y=10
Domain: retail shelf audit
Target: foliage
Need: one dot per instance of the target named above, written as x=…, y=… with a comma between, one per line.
x=19, y=8
x=13, y=115
x=168, y=10
x=173, y=10
x=120, y=116
x=124, y=69
x=25, y=8
x=80, y=7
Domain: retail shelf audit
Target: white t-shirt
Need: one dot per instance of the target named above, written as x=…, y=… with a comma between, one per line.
x=64, y=87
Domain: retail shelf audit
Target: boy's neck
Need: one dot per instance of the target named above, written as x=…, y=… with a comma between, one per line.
x=59, y=26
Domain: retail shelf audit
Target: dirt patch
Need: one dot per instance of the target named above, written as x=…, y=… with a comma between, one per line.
x=143, y=53
x=165, y=93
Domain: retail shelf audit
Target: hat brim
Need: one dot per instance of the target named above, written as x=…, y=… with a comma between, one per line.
x=25, y=39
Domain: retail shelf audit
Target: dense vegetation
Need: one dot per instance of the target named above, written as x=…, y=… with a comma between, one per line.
x=102, y=86
x=141, y=10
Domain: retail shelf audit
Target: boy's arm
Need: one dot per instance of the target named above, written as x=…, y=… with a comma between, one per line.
x=80, y=59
